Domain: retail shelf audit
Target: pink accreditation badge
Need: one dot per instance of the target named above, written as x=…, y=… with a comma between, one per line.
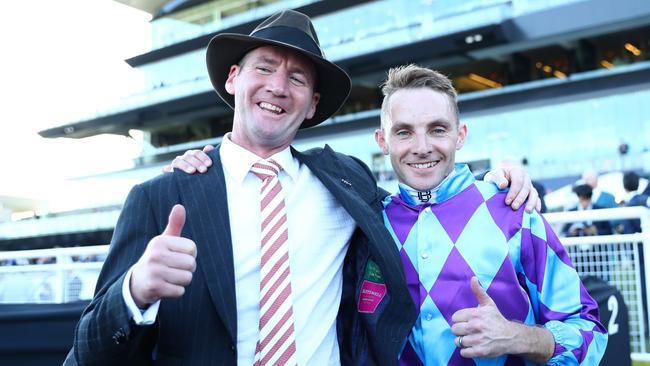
x=370, y=297
x=373, y=288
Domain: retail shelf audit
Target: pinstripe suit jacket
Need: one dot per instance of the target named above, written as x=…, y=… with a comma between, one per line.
x=200, y=327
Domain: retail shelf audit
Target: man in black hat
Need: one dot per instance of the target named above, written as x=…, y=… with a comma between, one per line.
x=275, y=256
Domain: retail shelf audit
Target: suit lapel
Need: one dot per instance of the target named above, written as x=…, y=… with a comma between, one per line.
x=205, y=198
x=331, y=172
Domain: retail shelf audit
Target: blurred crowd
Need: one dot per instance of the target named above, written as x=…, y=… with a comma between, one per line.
x=591, y=197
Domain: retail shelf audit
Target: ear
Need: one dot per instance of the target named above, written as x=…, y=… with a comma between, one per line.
x=314, y=102
x=230, y=82
x=462, y=133
x=381, y=141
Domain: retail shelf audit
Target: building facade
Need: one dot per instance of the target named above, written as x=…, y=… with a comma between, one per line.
x=563, y=84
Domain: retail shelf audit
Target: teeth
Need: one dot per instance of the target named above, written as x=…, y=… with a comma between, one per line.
x=271, y=107
x=422, y=165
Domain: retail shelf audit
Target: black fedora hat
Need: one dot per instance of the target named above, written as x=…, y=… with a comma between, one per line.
x=289, y=29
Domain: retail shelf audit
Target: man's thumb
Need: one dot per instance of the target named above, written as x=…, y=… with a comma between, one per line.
x=479, y=292
x=176, y=221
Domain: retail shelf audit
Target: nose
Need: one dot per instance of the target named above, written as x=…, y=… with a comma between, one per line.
x=278, y=83
x=422, y=145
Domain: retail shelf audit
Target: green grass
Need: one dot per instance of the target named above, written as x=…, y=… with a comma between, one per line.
x=640, y=363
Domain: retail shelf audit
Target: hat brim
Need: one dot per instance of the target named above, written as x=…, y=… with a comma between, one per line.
x=227, y=49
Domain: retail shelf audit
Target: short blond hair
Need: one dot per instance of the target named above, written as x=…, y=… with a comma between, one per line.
x=412, y=77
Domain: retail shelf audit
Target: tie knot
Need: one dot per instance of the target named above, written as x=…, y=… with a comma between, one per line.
x=265, y=169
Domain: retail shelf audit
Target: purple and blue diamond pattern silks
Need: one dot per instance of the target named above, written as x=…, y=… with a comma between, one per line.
x=469, y=231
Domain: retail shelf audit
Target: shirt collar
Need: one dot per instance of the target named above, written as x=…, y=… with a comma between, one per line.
x=459, y=179
x=237, y=161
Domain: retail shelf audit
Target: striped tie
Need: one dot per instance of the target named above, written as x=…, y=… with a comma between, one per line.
x=276, y=344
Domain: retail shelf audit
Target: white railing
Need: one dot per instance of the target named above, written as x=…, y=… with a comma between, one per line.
x=615, y=259
x=50, y=275
x=71, y=273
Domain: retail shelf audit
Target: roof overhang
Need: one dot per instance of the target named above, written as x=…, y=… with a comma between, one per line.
x=207, y=103
x=312, y=10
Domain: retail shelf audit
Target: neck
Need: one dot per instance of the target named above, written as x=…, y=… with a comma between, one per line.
x=263, y=151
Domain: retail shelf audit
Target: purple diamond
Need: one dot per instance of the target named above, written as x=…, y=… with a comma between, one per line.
x=451, y=291
x=509, y=297
x=522, y=282
x=423, y=294
x=401, y=219
x=409, y=357
x=559, y=349
x=412, y=278
x=581, y=351
x=548, y=314
x=533, y=257
x=589, y=310
x=555, y=244
x=454, y=214
x=514, y=361
x=509, y=221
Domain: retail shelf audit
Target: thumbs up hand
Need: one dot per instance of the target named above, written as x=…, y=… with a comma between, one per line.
x=167, y=264
x=482, y=331
x=480, y=294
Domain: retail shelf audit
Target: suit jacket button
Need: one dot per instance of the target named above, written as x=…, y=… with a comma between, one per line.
x=233, y=349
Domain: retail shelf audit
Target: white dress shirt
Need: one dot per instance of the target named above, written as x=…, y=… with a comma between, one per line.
x=319, y=234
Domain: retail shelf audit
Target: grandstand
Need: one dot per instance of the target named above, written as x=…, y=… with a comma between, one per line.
x=562, y=83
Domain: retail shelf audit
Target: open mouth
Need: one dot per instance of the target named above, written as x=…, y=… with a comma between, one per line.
x=429, y=164
x=270, y=107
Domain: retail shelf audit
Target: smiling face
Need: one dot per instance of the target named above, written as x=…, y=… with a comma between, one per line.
x=421, y=134
x=274, y=94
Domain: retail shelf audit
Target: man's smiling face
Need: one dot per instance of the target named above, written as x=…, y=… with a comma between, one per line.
x=421, y=136
x=274, y=93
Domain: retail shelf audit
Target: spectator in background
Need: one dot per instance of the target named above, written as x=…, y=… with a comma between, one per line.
x=633, y=198
x=22, y=261
x=45, y=260
x=599, y=197
x=586, y=228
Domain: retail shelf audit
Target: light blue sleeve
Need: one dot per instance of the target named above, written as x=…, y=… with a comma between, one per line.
x=560, y=301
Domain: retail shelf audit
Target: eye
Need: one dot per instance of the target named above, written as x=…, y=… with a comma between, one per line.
x=403, y=133
x=297, y=80
x=263, y=70
x=439, y=131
